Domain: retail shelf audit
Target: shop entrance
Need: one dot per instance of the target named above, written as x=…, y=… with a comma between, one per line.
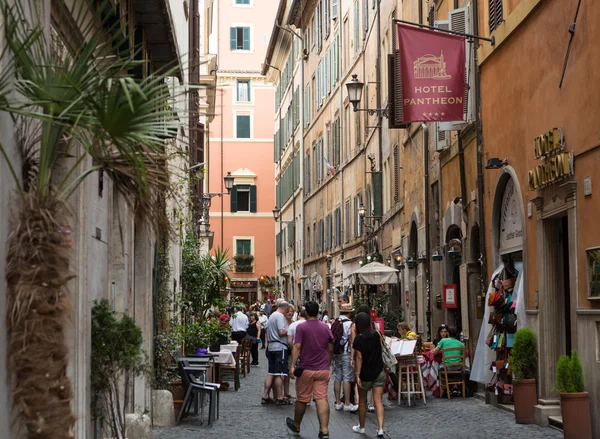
x=561, y=264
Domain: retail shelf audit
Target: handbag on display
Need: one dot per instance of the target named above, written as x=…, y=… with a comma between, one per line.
x=510, y=339
x=509, y=284
x=509, y=322
x=489, y=340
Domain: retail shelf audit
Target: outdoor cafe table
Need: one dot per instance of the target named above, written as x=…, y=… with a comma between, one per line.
x=222, y=358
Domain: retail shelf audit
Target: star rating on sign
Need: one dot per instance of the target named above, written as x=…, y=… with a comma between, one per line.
x=430, y=114
x=443, y=114
x=437, y=114
x=424, y=114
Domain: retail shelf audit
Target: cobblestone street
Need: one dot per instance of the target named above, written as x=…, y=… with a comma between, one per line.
x=243, y=415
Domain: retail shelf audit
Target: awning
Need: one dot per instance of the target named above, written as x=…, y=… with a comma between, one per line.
x=376, y=273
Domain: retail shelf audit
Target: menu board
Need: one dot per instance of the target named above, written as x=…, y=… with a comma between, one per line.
x=403, y=347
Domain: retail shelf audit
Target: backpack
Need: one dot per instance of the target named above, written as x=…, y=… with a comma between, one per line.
x=339, y=338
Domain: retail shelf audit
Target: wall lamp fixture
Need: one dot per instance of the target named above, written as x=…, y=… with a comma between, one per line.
x=355, y=88
x=496, y=163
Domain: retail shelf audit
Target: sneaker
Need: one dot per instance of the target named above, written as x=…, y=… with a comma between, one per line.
x=323, y=435
x=349, y=408
x=380, y=433
x=294, y=431
x=371, y=409
x=357, y=429
x=339, y=406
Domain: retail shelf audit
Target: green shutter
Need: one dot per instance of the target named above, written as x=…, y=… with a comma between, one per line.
x=233, y=38
x=246, y=40
x=243, y=127
x=253, y=199
x=377, y=194
x=233, y=198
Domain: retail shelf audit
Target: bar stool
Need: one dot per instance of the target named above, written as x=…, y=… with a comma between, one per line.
x=409, y=366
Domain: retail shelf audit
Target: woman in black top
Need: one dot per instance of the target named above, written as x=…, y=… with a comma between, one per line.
x=370, y=374
x=253, y=333
x=442, y=332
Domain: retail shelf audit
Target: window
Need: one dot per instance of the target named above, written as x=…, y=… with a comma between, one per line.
x=243, y=246
x=307, y=250
x=356, y=27
x=357, y=219
x=239, y=38
x=496, y=14
x=328, y=233
x=243, y=91
x=347, y=213
x=242, y=2
x=321, y=236
x=242, y=126
x=243, y=198
x=337, y=217
x=358, y=133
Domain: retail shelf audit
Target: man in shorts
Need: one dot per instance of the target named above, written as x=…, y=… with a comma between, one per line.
x=344, y=373
x=314, y=347
x=277, y=353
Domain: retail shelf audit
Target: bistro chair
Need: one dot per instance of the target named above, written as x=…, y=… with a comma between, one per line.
x=196, y=385
x=232, y=373
x=245, y=357
x=453, y=373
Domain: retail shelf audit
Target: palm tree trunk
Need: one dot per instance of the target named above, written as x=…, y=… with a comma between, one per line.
x=38, y=304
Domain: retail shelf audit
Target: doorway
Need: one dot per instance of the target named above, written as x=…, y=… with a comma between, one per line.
x=564, y=290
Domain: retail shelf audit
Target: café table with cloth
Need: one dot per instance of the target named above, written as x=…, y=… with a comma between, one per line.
x=430, y=367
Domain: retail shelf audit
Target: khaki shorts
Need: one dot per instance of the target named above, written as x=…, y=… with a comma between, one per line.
x=377, y=382
x=312, y=384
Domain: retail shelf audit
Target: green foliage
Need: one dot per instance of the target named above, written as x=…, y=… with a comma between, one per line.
x=371, y=296
x=523, y=356
x=576, y=373
x=116, y=350
x=202, y=279
x=243, y=262
x=392, y=318
x=201, y=335
x=569, y=374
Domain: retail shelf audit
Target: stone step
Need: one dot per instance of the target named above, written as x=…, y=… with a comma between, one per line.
x=555, y=422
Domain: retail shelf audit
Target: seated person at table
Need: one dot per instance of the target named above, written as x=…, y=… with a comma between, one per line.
x=442, y=332
x=405, y=332
x=450, y=342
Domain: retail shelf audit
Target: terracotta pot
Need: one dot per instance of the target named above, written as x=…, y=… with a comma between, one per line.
x=575, y=408
x=525, y=398
x=177, y=403
x=178, y=391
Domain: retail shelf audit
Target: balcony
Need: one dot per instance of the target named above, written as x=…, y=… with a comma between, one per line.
x=243, y=263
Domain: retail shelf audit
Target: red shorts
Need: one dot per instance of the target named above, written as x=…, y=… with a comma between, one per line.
x=312, y=384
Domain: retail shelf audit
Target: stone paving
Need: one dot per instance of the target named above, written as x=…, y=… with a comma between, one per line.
x=242, y=415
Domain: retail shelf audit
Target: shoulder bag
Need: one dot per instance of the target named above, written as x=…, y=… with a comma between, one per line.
x=389, y=359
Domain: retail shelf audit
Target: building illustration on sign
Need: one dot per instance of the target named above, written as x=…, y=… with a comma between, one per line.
x=431, y=67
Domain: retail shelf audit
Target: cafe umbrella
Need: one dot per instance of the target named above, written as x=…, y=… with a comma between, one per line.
x=376, y=273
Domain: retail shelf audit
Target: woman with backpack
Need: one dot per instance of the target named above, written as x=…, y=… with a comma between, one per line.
x=344, y=374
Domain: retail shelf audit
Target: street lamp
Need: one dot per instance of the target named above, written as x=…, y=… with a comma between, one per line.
x=354, y=88
x=362, y=211
x=388, y=260
x=228, y=179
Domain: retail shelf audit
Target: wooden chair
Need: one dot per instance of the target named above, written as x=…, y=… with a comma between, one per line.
x=452, y=373
x=245, y=356
x=232, y=373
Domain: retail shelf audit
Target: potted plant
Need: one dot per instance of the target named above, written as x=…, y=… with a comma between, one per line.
x=243, y=262
x=523, y=364
x=574, y=400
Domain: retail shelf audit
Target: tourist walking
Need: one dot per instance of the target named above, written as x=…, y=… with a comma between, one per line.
x=370, y=374
x=344, y=374
x=239, y=325
x=254, y=333
x=314, y=347
x=277, y=354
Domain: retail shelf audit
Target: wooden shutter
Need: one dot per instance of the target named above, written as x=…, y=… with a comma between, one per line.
x=496, y=14
x=243, y=127
x=395, y=93
x=253, y=199
x=233, y=38
x=246, y=38
x=396, y=174
x=431, y=15
x=377, y=178
x=233, y=199
x=334, y=9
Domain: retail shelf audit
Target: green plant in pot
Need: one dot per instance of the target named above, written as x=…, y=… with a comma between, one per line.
x=523, y=363
x=574, y=400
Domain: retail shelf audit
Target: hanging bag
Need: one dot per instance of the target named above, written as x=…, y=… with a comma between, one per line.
x=389, y=359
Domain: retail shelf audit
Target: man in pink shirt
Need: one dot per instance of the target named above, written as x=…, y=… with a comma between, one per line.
x=314, y=347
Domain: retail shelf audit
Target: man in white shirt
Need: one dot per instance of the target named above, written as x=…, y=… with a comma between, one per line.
x=239, y=325
x=264, y=323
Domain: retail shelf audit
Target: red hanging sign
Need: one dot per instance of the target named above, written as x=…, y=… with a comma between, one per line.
x=432, y=67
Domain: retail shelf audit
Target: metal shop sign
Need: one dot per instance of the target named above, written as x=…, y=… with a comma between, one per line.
x=557, y=164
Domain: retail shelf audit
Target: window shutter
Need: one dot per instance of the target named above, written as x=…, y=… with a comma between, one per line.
x=334, y=9
x=396, y=174
x=253, y=199
x=377, y=194
x=246, y=39
x=233, y=38
x=233, y=198
x=365, y=18
x=395, y=92
x=431, y=15
x=442, y=138
x=496, y=14
x=243, y=127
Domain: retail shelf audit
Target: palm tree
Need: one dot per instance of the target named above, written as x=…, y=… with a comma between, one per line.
x=77, y=111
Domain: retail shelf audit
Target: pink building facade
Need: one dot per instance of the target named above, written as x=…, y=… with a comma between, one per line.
x=241, y=142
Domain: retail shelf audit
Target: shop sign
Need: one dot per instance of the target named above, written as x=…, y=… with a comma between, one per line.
x=243, y=284
x=511, y=222
x=450, y=299
x=557, y=164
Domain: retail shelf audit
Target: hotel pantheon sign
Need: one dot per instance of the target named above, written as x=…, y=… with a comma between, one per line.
x=557, y=164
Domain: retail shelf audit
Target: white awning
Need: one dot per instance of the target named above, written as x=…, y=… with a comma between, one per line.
x=376, y=273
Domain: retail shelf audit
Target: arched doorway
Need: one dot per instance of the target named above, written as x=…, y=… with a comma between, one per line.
x=475, y=287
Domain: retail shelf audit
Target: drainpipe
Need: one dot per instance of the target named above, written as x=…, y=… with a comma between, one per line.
x=427, y=226
x=479, y=129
